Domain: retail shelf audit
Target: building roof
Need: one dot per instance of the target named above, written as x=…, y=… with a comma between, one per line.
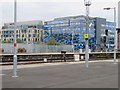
x=69, y=17
x=26, y=22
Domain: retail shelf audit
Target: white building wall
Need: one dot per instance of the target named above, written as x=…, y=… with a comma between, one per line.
x=23, y=30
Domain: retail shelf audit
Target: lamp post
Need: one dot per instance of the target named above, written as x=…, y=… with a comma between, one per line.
x=115, y=41
x=86, y=36
x=15, y=44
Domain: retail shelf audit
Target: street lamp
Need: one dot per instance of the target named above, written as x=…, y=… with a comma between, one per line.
x=115, y=39
x=86, y=36
x=15, y=44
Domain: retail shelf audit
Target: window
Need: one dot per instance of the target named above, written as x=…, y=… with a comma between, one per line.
x=25, y=31
x=23, y=35
x=29, y=35
x=17, y=35
x=35, y=31
x=17, y=31
x=24, y=39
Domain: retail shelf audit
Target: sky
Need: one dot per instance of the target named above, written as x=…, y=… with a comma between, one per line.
x=46, y=10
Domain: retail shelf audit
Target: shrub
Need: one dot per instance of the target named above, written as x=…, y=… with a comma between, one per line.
x=1, y=50
x=22, y=50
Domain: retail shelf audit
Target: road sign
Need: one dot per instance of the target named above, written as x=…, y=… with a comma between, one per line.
x=85, y=36
x=15, y=44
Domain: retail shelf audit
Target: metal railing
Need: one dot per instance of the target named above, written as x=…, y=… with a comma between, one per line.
x=41, y=48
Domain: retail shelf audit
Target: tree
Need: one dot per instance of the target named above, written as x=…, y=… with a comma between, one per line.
x=51, y=41
x=3, y=41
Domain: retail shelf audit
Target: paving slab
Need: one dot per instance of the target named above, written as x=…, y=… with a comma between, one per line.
x=101, y=74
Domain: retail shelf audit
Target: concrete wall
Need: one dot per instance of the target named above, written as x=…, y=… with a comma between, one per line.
x=99, y=28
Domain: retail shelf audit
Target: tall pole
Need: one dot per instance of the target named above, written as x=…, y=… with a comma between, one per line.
x=87, y=4
x=15, y=53
x=73, y=41
x=115, y=35
x=115, y=41
x=87, y=31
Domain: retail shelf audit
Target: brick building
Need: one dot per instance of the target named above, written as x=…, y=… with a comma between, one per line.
x=119, y=38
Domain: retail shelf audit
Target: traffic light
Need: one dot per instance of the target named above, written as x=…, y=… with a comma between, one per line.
x=106, y=32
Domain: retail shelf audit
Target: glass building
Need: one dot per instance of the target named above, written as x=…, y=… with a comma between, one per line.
x=71, y=30
x=110, y=36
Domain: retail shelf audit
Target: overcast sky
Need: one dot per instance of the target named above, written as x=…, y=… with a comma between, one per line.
x=28, y=10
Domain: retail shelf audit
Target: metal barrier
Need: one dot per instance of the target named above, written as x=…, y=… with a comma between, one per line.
x=37, y=48
x=40, y=48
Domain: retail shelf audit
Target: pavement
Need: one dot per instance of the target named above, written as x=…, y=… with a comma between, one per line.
x=99, y=74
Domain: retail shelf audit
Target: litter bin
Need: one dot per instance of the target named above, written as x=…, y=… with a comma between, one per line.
x=63, y=52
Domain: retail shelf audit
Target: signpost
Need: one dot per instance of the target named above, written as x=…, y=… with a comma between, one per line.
x=86, y=36
x=15, y=44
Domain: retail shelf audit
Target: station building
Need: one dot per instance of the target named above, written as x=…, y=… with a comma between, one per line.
x=71, y=30
x=27, y=32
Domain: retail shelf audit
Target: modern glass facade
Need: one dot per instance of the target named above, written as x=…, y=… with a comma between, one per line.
x=110, y=36
x=71, y=30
